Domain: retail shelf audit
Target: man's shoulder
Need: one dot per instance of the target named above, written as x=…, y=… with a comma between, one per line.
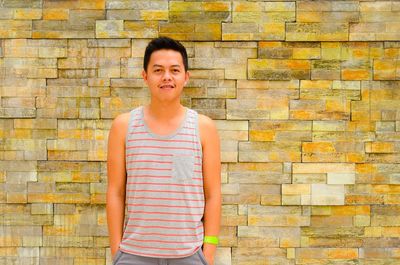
x=122, y=118
x=120, y=123
x=207, y=128
x=205, y=121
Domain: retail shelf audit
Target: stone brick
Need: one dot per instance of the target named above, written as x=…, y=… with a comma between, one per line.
x=191, y=31
x=274, y=69
x=386, y=70
x=41, y=208
x=27, y=14
x=55, y=14
x=247, y=31
x=15, y=29
x=276, y=216
x=324, y=194
x=255, y=151
x=142, y=5
x=270, y=173
x=317, y=32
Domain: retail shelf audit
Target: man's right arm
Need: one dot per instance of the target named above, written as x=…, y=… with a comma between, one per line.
x=116, y=174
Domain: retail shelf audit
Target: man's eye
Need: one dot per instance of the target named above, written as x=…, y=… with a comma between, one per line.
x=176, y=70
x=157, y=70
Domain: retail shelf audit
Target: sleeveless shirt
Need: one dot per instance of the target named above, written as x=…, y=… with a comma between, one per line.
x=164, y=189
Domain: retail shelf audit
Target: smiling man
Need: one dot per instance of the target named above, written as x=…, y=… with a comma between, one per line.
x=163, y=167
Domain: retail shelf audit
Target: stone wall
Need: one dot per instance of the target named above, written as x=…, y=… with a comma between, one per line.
x=305, y=94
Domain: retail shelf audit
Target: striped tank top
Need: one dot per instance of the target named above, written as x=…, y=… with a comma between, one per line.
x=164, y=189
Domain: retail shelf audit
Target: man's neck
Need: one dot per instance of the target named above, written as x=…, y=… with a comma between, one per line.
x=164, y=112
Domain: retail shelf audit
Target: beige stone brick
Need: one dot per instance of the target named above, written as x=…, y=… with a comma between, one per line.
x=255, y=151
x=340, y=178
x=256, y=173
x=248, y=31
x=42, y=208
x=327, y=194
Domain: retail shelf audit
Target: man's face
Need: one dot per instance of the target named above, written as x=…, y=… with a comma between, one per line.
x=165, y=75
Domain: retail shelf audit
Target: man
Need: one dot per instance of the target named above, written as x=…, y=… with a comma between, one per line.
x=164, y=165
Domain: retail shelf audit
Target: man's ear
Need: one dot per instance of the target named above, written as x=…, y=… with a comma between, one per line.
x=187, y=75
x=144, y=75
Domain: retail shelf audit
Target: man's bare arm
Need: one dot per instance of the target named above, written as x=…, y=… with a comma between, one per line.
x=212, y=182
x=116, y=173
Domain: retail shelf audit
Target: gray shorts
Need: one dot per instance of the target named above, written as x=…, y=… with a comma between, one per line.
x=122, y=258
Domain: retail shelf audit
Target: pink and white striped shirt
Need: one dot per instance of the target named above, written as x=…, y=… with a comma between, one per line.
x=164, y=189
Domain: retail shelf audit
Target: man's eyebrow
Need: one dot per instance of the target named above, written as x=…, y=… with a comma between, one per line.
x=158, y=65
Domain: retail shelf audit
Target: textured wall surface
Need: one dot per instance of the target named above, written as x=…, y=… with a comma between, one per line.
x=305, y=94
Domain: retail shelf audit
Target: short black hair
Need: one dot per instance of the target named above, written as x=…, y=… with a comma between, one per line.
x=164, y=43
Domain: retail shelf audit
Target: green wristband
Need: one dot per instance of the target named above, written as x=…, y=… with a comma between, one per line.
x=211, y=240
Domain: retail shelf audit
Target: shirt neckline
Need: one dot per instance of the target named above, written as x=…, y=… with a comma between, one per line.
x=160, y=136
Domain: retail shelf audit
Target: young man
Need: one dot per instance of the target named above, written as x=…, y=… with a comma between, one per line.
x=164, y=165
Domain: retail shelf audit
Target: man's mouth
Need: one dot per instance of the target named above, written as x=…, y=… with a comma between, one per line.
x=167, y=87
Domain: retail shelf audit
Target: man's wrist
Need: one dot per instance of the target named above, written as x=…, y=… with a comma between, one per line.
x=211, y=240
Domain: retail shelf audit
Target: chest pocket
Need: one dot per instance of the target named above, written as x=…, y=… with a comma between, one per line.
x=182, y=167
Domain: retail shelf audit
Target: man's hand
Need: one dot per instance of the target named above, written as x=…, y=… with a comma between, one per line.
x=209, y=253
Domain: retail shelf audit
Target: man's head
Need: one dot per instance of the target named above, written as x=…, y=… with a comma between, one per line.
x=165, y=69
x=164, y=43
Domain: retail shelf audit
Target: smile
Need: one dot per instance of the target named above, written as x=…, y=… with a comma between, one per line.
x=167, y=87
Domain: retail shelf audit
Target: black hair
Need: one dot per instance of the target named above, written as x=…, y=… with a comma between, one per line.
x=164, y=43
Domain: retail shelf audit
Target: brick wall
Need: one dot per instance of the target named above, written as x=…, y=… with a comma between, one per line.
x=305, y=94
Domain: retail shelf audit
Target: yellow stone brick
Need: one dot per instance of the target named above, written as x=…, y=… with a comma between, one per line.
x=387, y=231
x=321, y=210
x=258, y=135
x=379, y=147
x=154, y=14
x=25, y=13
x=289, y=242
x=91, y=4
x=315, y=147
x=291, y=253
x=306, y=53
x=9, y=251
x=304, y=241
x=185, y=6
x=98, y=199
x=58, y=230
x=59, y=198
x=247, y=7
x=362, y=220
x=342, y=253
x=343, y=210
x=384, y=65
x=14, y=197
x=303, y=16
x=392, y=198
x=373, y=231
x=363, y=209
x=216, y=6
x=386, y=189
x=296, y=189
x=272, y=44
x=350, y=74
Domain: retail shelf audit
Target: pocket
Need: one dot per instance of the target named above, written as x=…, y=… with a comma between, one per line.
x=116, y=257
x=182, y=167
x=202, y=257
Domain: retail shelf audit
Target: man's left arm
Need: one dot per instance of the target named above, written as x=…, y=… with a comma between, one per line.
x=212, y=182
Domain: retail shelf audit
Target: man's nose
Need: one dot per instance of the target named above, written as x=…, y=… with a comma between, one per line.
x=167, y=75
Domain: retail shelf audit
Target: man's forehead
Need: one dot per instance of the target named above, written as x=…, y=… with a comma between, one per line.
x=165, y=55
